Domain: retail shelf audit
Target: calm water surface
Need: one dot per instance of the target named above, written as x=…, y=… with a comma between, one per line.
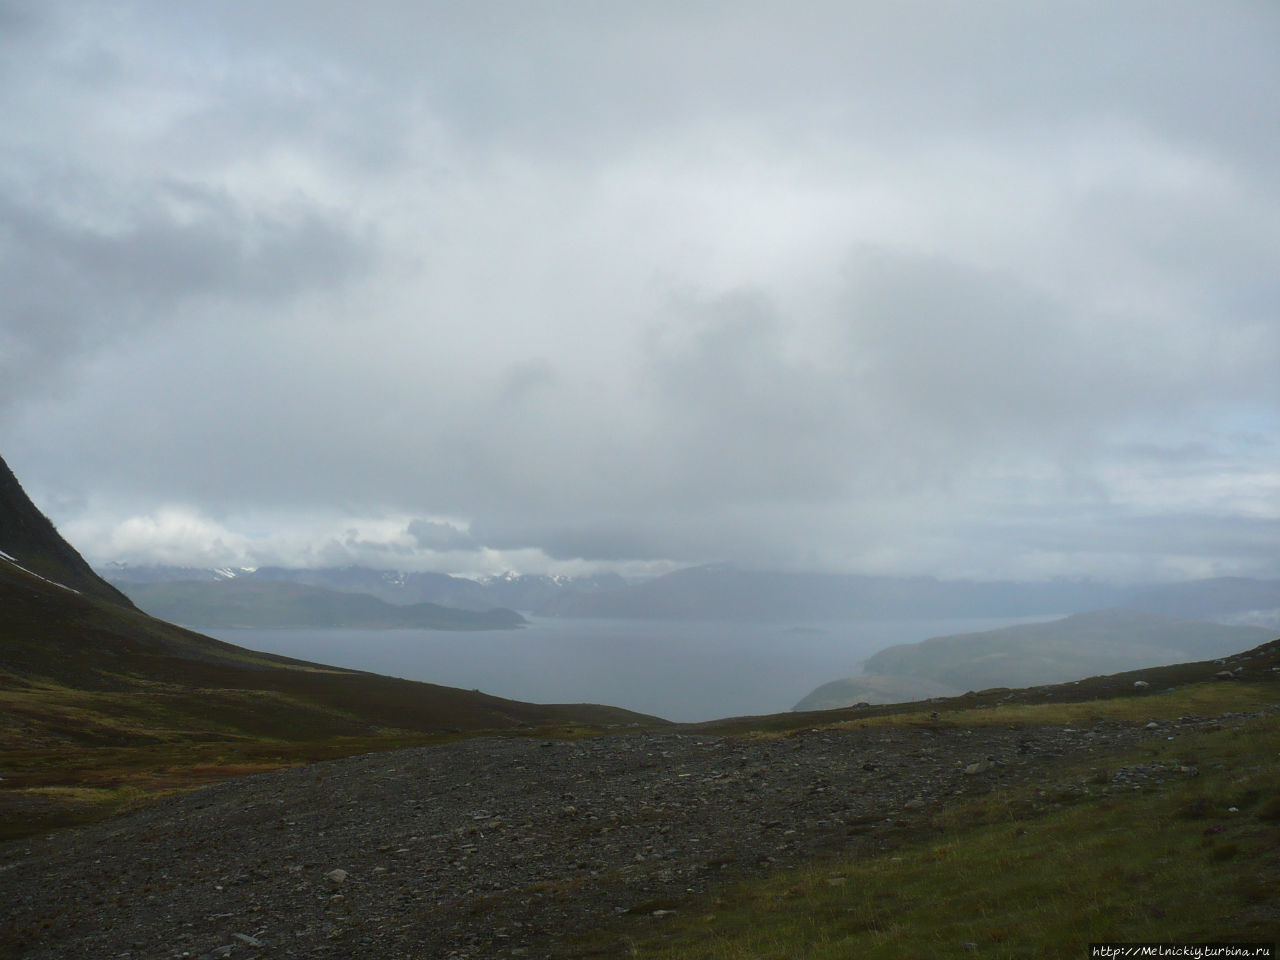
x=680, y=670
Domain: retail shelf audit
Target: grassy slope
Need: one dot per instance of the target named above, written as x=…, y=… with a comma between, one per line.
x=1025, y=873
x=1038, y=868
x=1102, y=642
x=101, y=704
x=27, y=534
x=280, y=603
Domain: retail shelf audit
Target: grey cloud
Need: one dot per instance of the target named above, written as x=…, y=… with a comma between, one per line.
x=1240, y=545
x=591, y=76
x=608, y=538
x=974, y=357
x=838, y=284
x=961, y=352
x=184, y=241
x=430, y=535
x=15, y=19
x=71, y=288
x=520, y=380
x=1115, y=544
x=736, y=416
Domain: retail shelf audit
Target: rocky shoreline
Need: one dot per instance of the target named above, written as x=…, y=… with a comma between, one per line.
x=499, y=847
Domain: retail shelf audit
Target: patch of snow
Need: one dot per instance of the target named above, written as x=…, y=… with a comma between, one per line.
x=230, y=573
x=11, y=560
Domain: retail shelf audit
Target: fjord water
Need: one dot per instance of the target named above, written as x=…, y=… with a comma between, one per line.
x=686, y=671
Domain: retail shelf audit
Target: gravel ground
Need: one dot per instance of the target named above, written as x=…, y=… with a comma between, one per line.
x=495, y=847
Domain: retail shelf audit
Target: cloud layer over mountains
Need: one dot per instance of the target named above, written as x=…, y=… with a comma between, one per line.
x=968, y=290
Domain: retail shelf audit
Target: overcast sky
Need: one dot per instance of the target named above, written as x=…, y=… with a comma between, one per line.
x=984, y=289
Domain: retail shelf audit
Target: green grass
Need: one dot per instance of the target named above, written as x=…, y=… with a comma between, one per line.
x=70, y=756
x=1202, y=699
x=45, y=789
x=103, y=707
x=1036, y=872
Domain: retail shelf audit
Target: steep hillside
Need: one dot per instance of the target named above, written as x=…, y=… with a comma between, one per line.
x=79, y=664
x=29, y=539
x=52, y=638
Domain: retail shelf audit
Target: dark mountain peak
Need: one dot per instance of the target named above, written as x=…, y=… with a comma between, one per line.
x=34, y=543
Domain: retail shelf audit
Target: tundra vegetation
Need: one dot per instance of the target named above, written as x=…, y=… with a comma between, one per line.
x=1036, y=869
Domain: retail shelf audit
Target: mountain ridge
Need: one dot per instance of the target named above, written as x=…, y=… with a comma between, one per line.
x=1031, y=654
x=523, y=592
x=724, y=591
x=254, y=603
x=29, y=539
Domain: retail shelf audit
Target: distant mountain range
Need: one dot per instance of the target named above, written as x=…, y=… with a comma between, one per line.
x=1083, y=645
x=251, y=602
x=725, y=592
x=527, y=592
